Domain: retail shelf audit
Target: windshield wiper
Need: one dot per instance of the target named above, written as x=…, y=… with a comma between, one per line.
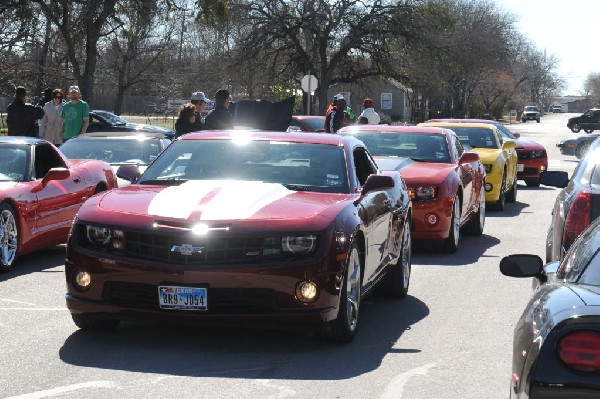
x=296, y=187
x=163, y=182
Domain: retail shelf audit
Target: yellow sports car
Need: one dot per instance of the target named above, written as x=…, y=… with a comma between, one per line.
x=497, y=154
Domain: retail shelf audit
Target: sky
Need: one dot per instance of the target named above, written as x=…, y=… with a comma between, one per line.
x=569, y=29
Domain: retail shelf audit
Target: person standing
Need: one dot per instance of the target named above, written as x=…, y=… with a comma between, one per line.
x=186, y=120
x=369, y=114
x=199, y=100
x=21, y=117
x=46, y=96
x=334, y=119
x=76, y=114
x=52, y=124
x=220, y=118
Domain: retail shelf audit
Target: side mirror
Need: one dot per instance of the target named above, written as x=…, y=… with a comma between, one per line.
x=53, y=174
x=554, y=178
x=377, y=182
x=129, y=172
x=508, y=144
x=468, y=157
x=517, y=135
x=522, y=265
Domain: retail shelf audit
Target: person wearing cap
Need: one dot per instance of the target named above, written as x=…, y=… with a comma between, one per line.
x=334, y=119
x=76, y=114
x=21, y=117
x=220, y=118
x=369, y=116
x=199, y=100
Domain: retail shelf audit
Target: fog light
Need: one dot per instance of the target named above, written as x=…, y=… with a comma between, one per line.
x=431, y=219
x=307, y=291
x=82, y=280
x=488, y=186
x=543, y=168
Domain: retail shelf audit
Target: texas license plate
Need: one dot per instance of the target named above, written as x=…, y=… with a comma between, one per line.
x=182, y=298
x=520, y=167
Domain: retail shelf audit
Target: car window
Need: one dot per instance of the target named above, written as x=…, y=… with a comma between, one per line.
x=14, y=162
x=113, y=151
x=46, y=158
x=111, y=118
x=582, y=255
x=505, y=131
x=418, y=146
x=591, y=274
x=363, y=165
x=298, y=166
x=476, y=137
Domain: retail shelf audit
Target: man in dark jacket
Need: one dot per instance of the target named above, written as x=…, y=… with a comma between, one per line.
x=334, y=119
x=21, y=117
x=219, y=118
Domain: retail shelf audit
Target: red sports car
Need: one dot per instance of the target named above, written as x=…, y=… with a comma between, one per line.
x=243, y=225
x=445, y=182
x=40, y=193
x=532, y=156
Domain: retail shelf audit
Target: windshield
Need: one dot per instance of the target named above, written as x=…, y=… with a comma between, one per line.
x=298, y=166
x=418, y=146
x=476, y=137
x=14, y=162
x=113, y=151
x=531, y=109
x=111, y=118
x=316, y=124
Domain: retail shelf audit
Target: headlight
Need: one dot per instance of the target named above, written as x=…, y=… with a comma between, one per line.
x=299, y=244
x=488, y=167
x=422, y=193
x=537, y=154
x=105, y=237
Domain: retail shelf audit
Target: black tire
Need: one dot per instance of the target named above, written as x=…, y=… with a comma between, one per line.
x=537, y=120
x=581, y=149
x=344, y=327
x=511, y=195
x=534, y=182
x=9, y=237
x=576, y=128
x=499, y=204
x=451, y=243
x=475, y=226
x=93, y=322
x=523, y=120
x=397, y=279
x=588, y=130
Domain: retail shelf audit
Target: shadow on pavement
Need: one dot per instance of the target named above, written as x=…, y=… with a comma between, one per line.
x=38, y=261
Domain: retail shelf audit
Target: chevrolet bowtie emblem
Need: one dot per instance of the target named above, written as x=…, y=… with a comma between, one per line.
x=187, y=249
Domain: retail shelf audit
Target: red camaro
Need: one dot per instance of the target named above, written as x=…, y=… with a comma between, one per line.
x=445, y=182
x=243, y=225
x=532, y=156
x=40, y=193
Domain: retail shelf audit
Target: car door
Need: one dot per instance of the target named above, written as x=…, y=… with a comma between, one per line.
x=596, y=120
x=376, y=215
x=59, y=200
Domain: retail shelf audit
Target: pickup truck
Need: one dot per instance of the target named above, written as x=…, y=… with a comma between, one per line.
x=531, y=112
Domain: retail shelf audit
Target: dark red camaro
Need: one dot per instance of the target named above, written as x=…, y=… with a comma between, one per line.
x=251, y=226
x=40, y=193
x=445, y=182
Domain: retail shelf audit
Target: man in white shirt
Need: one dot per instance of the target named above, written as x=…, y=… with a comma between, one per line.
x=369, y=116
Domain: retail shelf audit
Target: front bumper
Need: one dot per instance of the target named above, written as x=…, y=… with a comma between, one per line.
x=441, y=209
x=127, y=289
x=566, y=148
x=530, y=168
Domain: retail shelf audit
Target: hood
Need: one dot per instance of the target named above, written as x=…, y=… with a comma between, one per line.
x=6, y=185
x=529, y=145
x=148, y=128
x=416, y=172
x=216, y=200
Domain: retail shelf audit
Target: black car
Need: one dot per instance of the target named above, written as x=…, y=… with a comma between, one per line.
x=577, y=146
x=576, y=205
x=104, y=121
x=556, y=345
x=589, y=121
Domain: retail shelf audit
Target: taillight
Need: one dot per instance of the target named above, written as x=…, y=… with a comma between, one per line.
x=581, y=350
x=578, y=218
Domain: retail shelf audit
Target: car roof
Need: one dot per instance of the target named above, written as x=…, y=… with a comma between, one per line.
x=136, y=134
x=393, y=128
x=299, y=137
x=21, y=140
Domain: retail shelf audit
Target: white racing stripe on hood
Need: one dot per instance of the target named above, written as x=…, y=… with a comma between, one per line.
x=242, y=199
x=180, y=201
x=235, y=200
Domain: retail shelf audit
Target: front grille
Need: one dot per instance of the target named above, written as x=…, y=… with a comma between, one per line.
x=182, y=247
x=220, y=300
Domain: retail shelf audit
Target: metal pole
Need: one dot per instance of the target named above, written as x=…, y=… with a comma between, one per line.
x=309, y=81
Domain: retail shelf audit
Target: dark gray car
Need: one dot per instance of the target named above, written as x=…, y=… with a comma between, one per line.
x=589, y=121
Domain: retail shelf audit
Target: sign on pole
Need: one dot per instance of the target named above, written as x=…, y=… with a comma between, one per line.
x=309, y=83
